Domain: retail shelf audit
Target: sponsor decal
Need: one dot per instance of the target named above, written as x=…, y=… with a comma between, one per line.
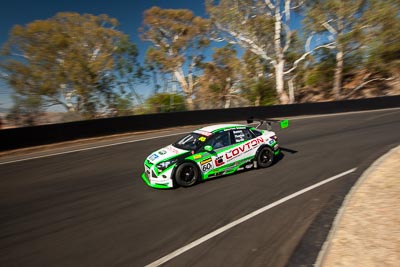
x=271, y=142
x=239, y=139
x=205, y=161
x=172, y=149
x=196, y=156
x=244, y=148
x=237, y=128
x=202, y=139
x=219, y=161
x=206, y=167
x=203, y=133
x=153, y=157
x=239, y=136
x=162, y=152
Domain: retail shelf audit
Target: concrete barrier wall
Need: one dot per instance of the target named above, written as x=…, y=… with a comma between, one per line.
x=53, y=133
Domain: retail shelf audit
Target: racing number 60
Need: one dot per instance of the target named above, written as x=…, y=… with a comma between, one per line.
x=206, y=167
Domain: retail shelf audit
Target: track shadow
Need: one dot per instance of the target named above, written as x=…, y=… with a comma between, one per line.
x=291, y=151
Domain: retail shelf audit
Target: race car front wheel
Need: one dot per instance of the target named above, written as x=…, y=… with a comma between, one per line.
x=186, y=174
x=265, y=157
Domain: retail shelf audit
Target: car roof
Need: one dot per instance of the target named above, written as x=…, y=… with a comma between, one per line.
x=219, y=127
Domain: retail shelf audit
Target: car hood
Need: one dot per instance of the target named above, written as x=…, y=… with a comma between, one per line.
x=165, y=153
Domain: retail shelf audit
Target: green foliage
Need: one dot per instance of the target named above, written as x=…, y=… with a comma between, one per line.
x=219, y=77
x=320, y=73
x=383, y=37
x=248, y=23
x=26, y=111
x=254, y=66
x=173, y=32
x=121, y=105
x=367, y=39
x=72, y=60
x=256, y=85
x=260, y=92
x=165, y=102
x=178, y=37
x=262, y=27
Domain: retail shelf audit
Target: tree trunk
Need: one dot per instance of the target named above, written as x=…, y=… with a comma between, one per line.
x=68, y=98
x=227, y=91
x=189, y=102
x=280, y=83
x=337, y=84
x=291, y=90
x=68, y=104
x=185, y=88
x=227, y=102
x=280, y=64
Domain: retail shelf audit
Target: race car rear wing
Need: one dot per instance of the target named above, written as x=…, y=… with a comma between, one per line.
x=282, y=123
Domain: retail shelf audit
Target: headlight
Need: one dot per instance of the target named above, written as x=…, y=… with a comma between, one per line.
x=165, y=164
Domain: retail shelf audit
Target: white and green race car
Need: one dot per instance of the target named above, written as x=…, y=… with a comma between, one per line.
x=210, y=152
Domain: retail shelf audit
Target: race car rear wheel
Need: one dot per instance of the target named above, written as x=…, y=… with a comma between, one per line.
x=186, y=174
x=265, y=157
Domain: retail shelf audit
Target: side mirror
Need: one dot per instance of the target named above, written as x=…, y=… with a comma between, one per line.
x=208, y=148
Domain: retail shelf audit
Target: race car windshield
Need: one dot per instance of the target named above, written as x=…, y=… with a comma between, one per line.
x=192, y=141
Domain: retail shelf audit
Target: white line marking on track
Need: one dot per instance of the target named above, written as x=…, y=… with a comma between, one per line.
x=89, y=148
x=243, y=219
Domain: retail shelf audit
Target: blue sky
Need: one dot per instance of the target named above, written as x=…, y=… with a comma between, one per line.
x=128, y=12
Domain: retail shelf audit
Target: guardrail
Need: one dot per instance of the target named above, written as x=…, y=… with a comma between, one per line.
x=52, y=133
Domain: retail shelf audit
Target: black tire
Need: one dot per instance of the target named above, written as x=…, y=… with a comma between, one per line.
x=186, y=174
x=265, y=157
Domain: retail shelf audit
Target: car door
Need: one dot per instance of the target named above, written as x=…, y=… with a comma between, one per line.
x=213, y=162
x=231, y=147
x=243, y=147
x=223, y=142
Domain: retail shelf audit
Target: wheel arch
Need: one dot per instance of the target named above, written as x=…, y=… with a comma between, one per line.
x=260, y=148
x=173, y=173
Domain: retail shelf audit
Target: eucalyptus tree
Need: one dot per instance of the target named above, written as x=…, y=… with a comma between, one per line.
x=342, y=21
x=178, y=37
x=220, y=76
x=70, y=60
x=381, y=43
x=264, y=28
x=256, y=84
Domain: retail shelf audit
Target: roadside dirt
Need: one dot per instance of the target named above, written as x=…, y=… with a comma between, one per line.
x=366, y=231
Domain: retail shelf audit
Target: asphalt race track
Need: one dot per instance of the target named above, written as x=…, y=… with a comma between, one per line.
x=91, y=208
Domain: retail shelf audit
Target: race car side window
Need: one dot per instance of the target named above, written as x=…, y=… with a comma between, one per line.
x=220, y=140
x=256, y=132
x=241, y=135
